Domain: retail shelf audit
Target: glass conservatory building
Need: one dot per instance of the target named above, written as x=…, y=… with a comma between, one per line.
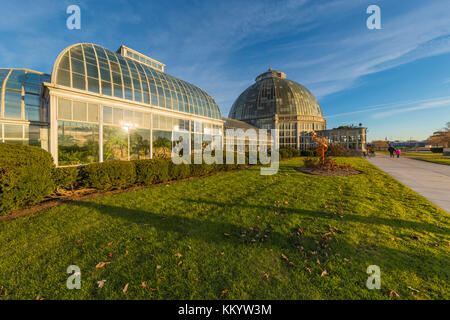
x=274, y=102
x=100, y=105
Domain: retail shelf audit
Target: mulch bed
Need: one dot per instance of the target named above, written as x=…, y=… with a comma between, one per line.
x=335, y=172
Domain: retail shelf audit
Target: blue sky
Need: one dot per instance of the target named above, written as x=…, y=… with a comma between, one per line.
x=396, y=80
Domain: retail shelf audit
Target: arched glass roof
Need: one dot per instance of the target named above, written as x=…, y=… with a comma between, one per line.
x=96, y=69
x=21, y=86
x=273, y=94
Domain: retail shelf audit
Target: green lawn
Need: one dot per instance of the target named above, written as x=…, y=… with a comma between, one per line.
x=237, y=235
x=438, y=160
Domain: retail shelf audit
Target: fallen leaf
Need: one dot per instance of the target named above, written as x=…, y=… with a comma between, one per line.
x=158, y=267
x=392, y=293
x=324, y=273
x=224, y=292
x=284, y=257
x=226, y=234
x=180, y=263
x=222, y=253
x=102, y=264
x=309, y=270
x=126, y=252
x=266, y=275
x=410, y=288
x=110, y=254
x=101, y=283
x=178, y=255
x=125, y=289
x=109, y=244
x=80, y=240
x=144, y=284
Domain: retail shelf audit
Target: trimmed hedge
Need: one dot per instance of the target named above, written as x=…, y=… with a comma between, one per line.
x=152, y=171
x=288, y=152
x=66, y=177
x=109, y=175
x=179, y=171
x=26, y=176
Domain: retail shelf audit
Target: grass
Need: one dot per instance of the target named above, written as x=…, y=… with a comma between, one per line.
x=237, y=235
x=445, y=161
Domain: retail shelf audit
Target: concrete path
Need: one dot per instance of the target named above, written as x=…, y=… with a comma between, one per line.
x=427, y=179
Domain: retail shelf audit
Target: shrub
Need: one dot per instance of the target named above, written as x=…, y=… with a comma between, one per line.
x=308, y=153
x=338, y=150
x=25, y=176
x=179, y=171
x=109, y=175
x=288, y=152
x=437, y=149
x=152, y=171
x=65, y=177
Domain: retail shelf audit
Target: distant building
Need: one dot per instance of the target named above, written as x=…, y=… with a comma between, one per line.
x=274, y=102
x=354, y=138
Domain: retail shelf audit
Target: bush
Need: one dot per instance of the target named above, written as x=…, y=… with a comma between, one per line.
x=65, y=177
x=179, y=171
x=338, y=150
x=288, y=152
x=308, y=153
x=152, y=171
x=437, y=149
x=25, y=176
x=109, y=175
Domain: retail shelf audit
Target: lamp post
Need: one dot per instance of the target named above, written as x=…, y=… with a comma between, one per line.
x=126, y=126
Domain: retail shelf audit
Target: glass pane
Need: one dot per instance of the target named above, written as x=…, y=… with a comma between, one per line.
x=118, y=91
x=107, y=115
x=118, y=116
x=13, y=96
x=115, y=143
x=78, y=81
x=162, y=146
x=79, y=111
x=106, y=88
x=13, y=110
x=92, y=70
x=38, y=136
x=93, y=85
x=63, y=78
x=32, y=113
x=139, y=144
x=13, y=131
x=77, y=143
x=64, y=109
x=92, y=112
x=77, y=66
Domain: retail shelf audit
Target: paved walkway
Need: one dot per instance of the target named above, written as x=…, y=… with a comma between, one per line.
x=427, y=179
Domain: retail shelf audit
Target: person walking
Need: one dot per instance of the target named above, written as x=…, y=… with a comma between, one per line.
x=398, y=152
x=391, y=150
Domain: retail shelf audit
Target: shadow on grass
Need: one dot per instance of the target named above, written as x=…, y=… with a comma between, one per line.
x=391, y=222
x=421, y=263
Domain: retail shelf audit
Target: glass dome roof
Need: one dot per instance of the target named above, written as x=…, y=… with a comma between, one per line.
x=101, y=71
x=273, y=94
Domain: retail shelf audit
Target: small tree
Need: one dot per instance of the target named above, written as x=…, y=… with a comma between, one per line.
x=441, y=138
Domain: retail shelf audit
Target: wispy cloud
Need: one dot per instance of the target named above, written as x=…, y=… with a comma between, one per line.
x=444, y=103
